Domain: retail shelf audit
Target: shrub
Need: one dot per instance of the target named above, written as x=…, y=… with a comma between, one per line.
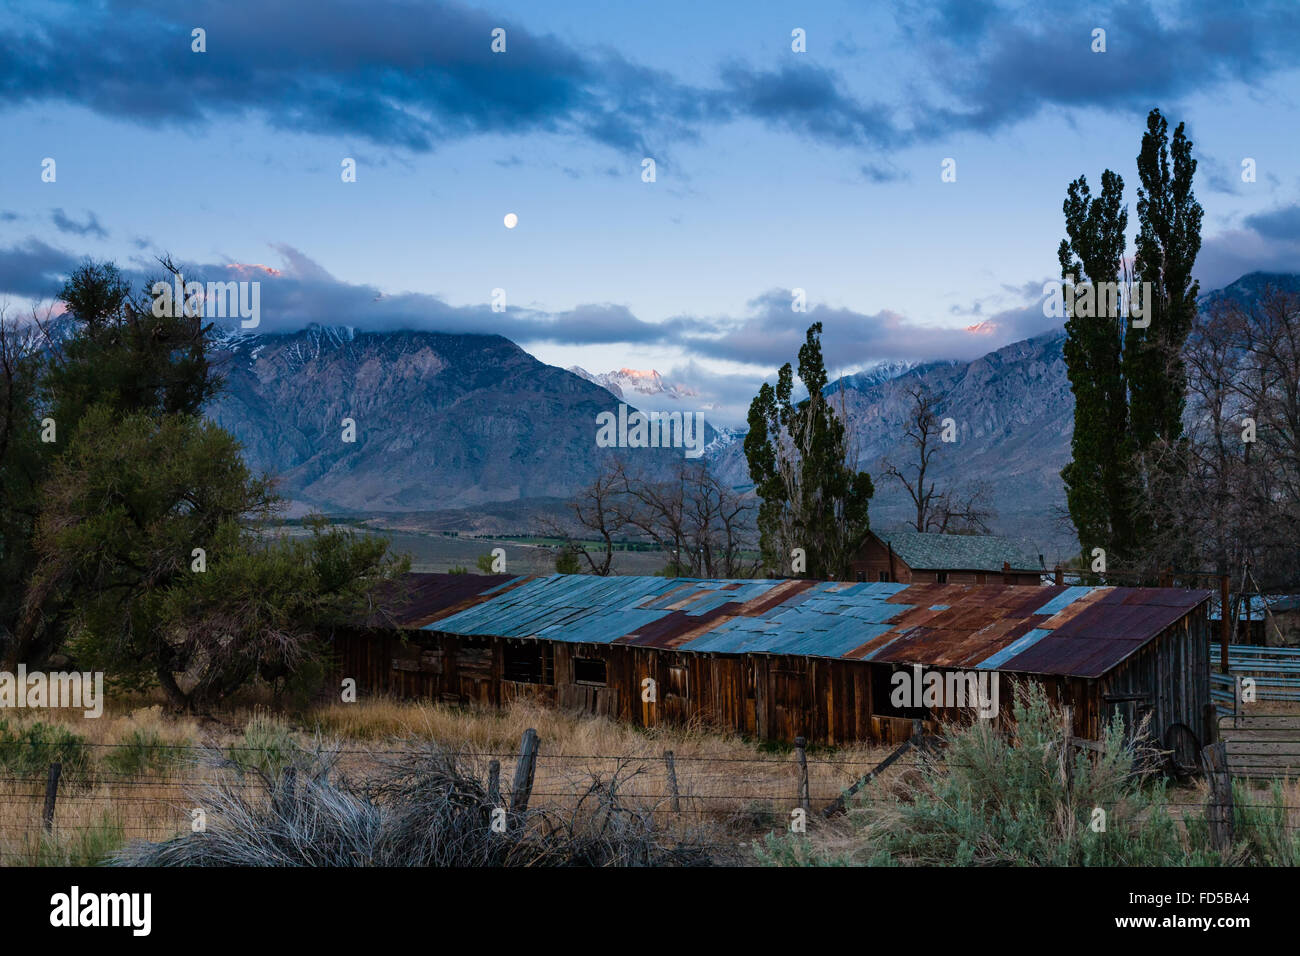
x=567, y=562
x=31, y=749
x=423, y=808
x=267, y=748
x=143, y=749
x=998, y=799
x=1263, y=830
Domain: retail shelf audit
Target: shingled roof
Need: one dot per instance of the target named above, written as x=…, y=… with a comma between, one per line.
x=1073, y=631
x=958, y=552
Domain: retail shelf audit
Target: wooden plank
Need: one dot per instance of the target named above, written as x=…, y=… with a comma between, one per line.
x=1287, y=747
x=1263, y=722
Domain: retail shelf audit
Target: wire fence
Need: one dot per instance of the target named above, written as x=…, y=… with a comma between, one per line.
x=90, y=799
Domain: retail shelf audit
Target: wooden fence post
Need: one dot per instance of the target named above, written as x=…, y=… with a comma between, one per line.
x=524, y=770
x=672, y=780
x=1218, y=812
x=1225, y=627
x=1059, y=576
x=51, y=793
x=1067, y=751
x=494, y=783
x=799, y=744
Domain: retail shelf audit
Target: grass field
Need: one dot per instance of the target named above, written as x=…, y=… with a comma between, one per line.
x=131, y=774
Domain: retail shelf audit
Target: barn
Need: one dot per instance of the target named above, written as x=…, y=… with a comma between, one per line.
x=777, y=659
x=911, y=557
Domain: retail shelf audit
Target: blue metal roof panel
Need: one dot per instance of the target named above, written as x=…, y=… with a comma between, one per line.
x=828, y=619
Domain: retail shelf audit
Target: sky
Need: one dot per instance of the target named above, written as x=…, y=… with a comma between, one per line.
x=775, y=169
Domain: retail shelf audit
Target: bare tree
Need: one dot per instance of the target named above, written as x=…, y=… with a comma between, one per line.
x=923, y=431
x=967, y=510
x=701, y=526
x=595, y=512
x=1239, y=498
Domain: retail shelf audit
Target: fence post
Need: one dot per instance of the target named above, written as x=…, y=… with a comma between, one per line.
x=51, y=793
x=494, y=783
x=672, y=780
x=799, y=744
x=1218, y=812
x=523, y=782
x=1067, y=751
x=1059, y=575
x=1225, y=626
x=1236, y=699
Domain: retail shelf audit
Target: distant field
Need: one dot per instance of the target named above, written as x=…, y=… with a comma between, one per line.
x=440, y=553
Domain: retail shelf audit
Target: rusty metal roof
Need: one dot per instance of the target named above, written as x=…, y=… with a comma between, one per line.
x=1071, y=631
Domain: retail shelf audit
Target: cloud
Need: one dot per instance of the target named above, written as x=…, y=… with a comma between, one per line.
x=772, y=334
x=393, y=73
x=1282, y=224
x=34, y=269
x=90, y=227
x=408, y=76
x=1025, y=60
x=884, y=173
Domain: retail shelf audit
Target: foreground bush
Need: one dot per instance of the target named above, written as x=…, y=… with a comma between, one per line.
x=426, y=808
x=32, y=748
x=1001, y=799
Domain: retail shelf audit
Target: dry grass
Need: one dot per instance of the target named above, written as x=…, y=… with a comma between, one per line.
x=729, y=789
x=97, y=811
x=719, y=776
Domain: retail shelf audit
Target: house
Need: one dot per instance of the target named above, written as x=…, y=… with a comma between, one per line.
x=779, y=659
x=911, y=557
x=1271, y=620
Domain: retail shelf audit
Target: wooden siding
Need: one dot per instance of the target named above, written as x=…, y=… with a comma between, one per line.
x=774, y=697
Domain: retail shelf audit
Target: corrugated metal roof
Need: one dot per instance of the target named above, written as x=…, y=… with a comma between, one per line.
x=1072, y=631
x=959, y=552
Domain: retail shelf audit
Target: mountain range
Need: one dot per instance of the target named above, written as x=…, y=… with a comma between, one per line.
x=452, y=421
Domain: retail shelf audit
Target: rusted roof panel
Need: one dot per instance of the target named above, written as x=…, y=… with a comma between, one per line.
x=1072, y=631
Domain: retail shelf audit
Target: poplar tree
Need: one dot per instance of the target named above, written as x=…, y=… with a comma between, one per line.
x=1129, y=379
x=813, y=497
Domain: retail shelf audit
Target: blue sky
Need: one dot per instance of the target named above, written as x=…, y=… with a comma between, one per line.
x=775, y=170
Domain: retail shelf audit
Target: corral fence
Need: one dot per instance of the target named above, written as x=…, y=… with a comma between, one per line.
x=1255, y=674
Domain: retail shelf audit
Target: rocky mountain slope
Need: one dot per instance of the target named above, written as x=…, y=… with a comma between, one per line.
x=442, y=421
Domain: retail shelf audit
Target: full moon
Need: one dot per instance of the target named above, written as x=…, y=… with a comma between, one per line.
x=511, y=220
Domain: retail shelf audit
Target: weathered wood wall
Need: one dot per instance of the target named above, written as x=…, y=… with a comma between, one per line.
x=776, y=697
x=766, y=696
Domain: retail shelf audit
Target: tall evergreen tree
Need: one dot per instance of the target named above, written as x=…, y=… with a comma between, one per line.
x=813, y=498
x=1167, y=245
x=1099, y=477
x=1129, y=381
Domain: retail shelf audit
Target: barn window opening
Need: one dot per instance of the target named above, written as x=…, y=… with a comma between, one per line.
x=941, y=577
x=882, y=696
x=528, y=663
x=589, y=670
x=862, y=575
x=884, y=575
